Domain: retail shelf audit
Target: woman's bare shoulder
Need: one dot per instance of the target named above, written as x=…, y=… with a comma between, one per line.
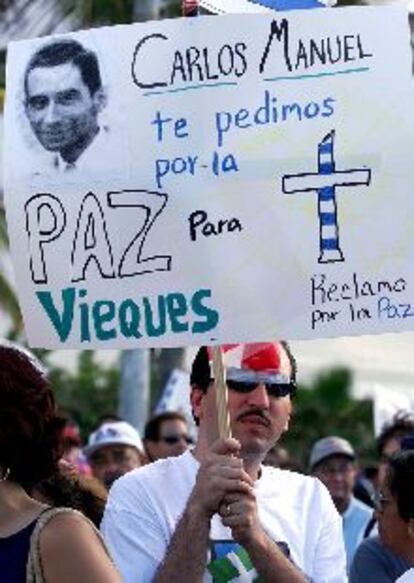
x=71, y=547
x=67, y=524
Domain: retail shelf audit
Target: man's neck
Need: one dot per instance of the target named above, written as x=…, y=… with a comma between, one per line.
x=72, y=152
x=342, y=504
x=251, y=462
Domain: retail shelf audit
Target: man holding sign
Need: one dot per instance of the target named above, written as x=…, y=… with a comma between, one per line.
x=215, y=513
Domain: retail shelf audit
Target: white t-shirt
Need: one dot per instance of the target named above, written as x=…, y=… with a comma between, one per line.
x=296, y=511
x=408, y=577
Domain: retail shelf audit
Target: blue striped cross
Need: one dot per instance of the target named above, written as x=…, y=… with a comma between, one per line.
x=324, y=182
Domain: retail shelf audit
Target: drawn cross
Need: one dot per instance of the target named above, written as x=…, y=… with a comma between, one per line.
x=325, y=182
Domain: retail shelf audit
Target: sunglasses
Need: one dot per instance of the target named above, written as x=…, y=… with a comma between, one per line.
x=273, y=389
x=173, y=439
x=380, y=501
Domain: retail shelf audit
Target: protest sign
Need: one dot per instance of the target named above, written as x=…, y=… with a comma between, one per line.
x=175, y=397
x=213, y=180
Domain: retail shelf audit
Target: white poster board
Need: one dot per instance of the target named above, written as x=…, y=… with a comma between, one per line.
x=234, y=178
x=389, y=403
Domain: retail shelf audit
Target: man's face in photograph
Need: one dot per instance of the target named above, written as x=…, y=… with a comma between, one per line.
x=61, y=109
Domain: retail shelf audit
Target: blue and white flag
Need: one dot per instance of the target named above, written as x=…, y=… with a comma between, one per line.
x=293, y=4
x=237, y=6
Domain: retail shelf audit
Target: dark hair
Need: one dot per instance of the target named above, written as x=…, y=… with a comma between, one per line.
x=83, y=493
x=30, y=430
x=153, y=426
x=201, y=373
x=68, y=51
x=401, y=482
x=200, y=370
x=401, y=426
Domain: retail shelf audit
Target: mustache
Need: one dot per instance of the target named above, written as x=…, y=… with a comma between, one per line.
x=255, y=412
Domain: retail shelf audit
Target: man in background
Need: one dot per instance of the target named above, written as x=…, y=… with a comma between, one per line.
x=389, y=441
x=374, y=562
x=333, y=461
x=113, y=450
x=165, y=435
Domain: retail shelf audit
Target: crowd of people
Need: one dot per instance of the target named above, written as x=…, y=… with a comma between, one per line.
x=161, y=508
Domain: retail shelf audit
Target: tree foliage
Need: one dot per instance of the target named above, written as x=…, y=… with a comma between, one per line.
x=8, y=301
x=98, y=12
x=85, y=393
x=101, y=12
x=326, y=407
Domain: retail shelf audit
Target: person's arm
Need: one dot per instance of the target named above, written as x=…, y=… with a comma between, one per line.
x=187, y=552
x=71, y=551
x=270, y=562
x=221, y=472
x=240, y=513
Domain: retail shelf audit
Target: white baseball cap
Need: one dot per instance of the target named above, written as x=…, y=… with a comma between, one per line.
x=113, y=433
x=328, y=447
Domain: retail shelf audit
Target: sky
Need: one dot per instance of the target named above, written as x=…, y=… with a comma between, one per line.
x=384, y=359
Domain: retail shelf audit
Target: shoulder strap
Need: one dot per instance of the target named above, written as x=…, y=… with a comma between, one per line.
x=34, y=569
x=369, y=527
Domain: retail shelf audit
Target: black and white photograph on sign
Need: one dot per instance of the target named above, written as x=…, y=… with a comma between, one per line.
x=65, y=103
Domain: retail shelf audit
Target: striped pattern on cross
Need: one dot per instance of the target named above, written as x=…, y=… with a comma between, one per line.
x=327, y=210
x=292, y=4
x=325, y=182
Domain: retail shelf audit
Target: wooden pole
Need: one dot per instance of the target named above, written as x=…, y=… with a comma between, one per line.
x=221, y=393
